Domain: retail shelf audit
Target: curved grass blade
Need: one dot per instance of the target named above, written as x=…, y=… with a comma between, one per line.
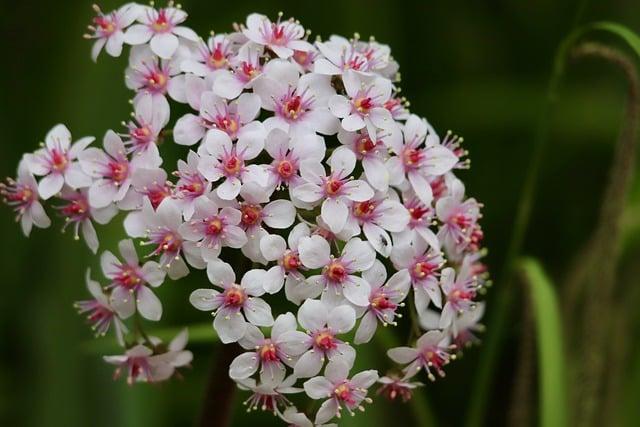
x=552, y=377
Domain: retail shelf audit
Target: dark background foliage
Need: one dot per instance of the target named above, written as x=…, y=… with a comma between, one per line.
x=478, y=68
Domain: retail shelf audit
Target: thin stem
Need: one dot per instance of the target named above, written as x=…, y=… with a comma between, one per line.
x=217, y=408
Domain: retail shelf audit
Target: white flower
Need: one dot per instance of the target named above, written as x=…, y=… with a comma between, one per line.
x=149, y=74
x=129, y=280
x=337, y=278
x=108, y=29
x=340, y=391
x=191, y=186
x=246, y=68
x=323, y=327
x=161, y=29
x=234, y=301
x=431, y=354
x=270, y=355
x=151, y=115
x=281, y=37
x=334, y=190
x=211, y=56
x=56, y=162
x=22, y=196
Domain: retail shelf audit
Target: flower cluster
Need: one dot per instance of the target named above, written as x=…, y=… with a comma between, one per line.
x=303, y=162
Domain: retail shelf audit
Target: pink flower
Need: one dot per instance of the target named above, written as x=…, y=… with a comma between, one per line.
x=162, y=230
x=288, y=267
x=236, y=119
x=142, y=365
x=270, y=355
x=460, y=292
x=110, y=169
x=235, y=303
x=298, y=103
x=340, y=55
x=211, y=56
x=281, y=37
x=161, y=28
x=151, y=115
x=394, y=387
x=384, y=300
x=108, y=29
x=323, y=327
x=223, y=160
x=420, y=222
x=398, y=107
x=56, y=162
x=431, y=354
x=334, y=190
x=417, y=162
x=340, y=391
x=22, y=195
x=99, y=311
x=268, y=396
x=371, y=153
x=191, y=185
x=288, y=154
x=213, y=229
x=337, y=277
x=423, y=264
x=246, y=68
x=376, y=216
x=459, y=218
x=79, y=214
x=129, y=280
x=364, y=105
x=151, y=184
x=147, y=73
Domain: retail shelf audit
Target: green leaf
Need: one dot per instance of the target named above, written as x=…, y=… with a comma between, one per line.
x=619, y=30
x=198, y=333
x=552, y=369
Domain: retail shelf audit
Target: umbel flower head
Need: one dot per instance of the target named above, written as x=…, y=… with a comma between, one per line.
x=305, y=182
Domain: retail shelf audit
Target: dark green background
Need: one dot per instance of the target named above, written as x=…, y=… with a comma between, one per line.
x=478, y=68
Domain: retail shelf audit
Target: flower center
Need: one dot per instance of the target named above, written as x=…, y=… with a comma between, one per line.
x=365, y=145
x=251, y=214
x=278, y=35
x=233, y=165
x=217, y=59
x=228, y=125
x=161, y=24
x=422, y=269
x=364, y=209
x=293, y=107
x=363, y=104
x=106, y=25
x=268, y=352
x=412, y=157
x=333, y=186
x=157, y=80
x=285, y=169
x=128, y=277
x=214, y=227
x=142, y=133
x=417, y=213
x=336, y=272
x=300, y=57
x=234, y=296
x=325, y=341
x=290, y=261
x=118, y=171
x=461, y=220
x=249, y=70
x=76, y=209
x=59, y=160
x=157, y=195
x=170, y=243
x=382, y=302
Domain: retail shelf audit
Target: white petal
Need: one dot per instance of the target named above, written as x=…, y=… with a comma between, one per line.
x=50, y=185
x=229, y=326
x=314, y=251
x=258, y=312
x=244, y=366
x=318, y=388
x=334, y=213
x=204, y=299
x=273, y=247
x=313, y=315
x=164, y=45
x=149, y=304
x=279, y=214
x=342, y=319
x=220, y=273
x=366, y=329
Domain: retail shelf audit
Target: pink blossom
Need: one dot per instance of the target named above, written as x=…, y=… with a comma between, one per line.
x=431, y=354
x=338, y=278
x=151, y=115
x=246, y=68
x=394, y=387
x=420, y=156
x=213, y=55
x=149, y=74
x=22, y=195
x=213, y=229
x=281, y=37
x=334, y=190
x=270, y=355
x=191, y=185
x=108, y=29
x=235, y=118
x=56, y=162
x=111, y=170
x=99, y=311
x=364, y=105
x=340, y=391
x=384, y=300
x=235, y=303
x=269, y=396
x=151, y=184
x=298, y=103
x=79, y=214
x=420, y=222
x=323, y=326
x=129, y=280
x=223, y=160
x=460, y=292
x=161, y=28
x=459, y=218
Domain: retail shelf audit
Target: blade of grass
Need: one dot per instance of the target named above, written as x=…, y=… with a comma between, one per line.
x=552, y=370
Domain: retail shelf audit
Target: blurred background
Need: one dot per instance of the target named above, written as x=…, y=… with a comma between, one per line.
x=478, y=68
